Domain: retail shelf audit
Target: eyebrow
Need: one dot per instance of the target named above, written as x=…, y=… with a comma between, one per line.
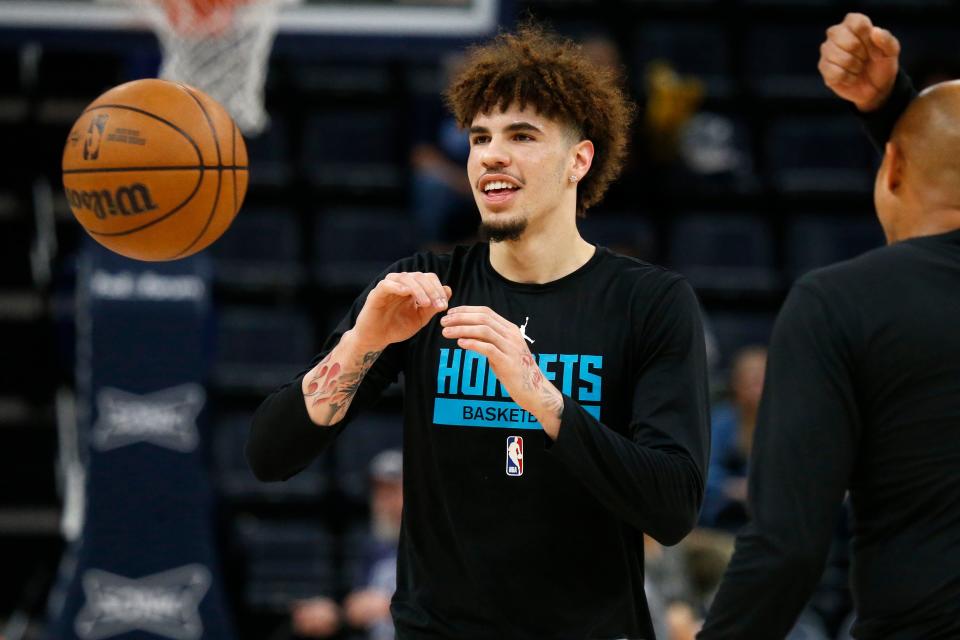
x=516, y=126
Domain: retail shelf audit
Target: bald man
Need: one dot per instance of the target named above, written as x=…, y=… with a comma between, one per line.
x=862, y=393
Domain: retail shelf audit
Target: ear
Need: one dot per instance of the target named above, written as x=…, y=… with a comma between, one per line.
x=892, y=167
x=582, y=158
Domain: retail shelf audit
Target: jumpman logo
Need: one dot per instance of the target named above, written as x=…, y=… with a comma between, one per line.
x=523, y=330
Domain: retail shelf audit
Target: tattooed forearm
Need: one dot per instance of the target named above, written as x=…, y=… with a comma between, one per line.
x=332, y=386
x=532, y=376
x=323, y=383
x=553, y=400
x=533, y=380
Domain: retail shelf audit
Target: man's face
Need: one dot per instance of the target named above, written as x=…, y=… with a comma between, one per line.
x=386, y=508
x=518, y=168
x=747, y=378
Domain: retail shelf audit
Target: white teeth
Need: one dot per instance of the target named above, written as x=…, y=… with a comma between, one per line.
x=498, y=184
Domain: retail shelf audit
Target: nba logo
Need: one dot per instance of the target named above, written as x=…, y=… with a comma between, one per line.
x=514, y=456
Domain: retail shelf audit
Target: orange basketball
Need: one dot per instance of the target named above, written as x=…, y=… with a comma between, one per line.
x=155, y=170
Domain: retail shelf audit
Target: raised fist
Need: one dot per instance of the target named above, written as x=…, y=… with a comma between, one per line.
x=859, y=61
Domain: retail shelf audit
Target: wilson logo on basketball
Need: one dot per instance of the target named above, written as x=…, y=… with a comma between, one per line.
x=126, y=201
x=91, y=146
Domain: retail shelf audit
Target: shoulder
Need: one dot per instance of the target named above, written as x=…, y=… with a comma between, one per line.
x=658, y=301
x=644, y=281
x=841, y=279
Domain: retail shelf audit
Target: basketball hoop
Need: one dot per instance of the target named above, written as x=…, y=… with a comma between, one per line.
x=220, y=47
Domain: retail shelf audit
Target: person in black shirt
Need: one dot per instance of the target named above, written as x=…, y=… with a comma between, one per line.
x=862, y=393
x=556, y=411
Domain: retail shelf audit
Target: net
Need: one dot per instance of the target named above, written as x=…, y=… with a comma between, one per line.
x=221, y=47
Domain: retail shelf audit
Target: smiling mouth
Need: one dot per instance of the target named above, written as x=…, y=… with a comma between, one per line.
x=496, y=196
x=499, y=187
x=498, y=191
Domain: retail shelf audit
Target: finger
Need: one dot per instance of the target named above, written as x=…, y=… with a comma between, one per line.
x=432, y=285
x=859, y=23
x=842, y=37
x=835, y=55
x=861, y=26
x=885, y=41
x=416, y=286
x=393, y=287
x=483, y=348
x=476, y=319
x=474, y=309
x=507, y=326
x=834, y=75
x=479, y=332
x=448, y=292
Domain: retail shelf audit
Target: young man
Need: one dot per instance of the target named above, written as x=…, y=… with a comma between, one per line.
x=862, y=393
x=555, y=393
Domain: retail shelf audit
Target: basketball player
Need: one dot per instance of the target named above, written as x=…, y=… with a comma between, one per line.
x=862, y=392
x=555, y=392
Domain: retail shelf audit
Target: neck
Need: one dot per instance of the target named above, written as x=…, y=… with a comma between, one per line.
x=931, y=223
x=541, y=255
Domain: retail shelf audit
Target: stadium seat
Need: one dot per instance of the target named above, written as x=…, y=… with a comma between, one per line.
x=352, y=150
x=352, y=246
x=342, y=79
x=269, y=155
x=63, y=91
x=919, y=5
x=816, y=241
x=735, y=330
x=692, y=49
x=370, y=433
x=671, y=3
x=244, y=259
x=724, y=253
x=13, y=104
x=17, y=235
x=819, y=154
x=285, y=560
x=780, y=61
x=926, y=43
x=260, y=349
x=235, y=480
x=789, y=3
x=624, y=233
x=353, y=546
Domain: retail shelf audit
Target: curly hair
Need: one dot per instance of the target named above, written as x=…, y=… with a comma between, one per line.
x=538, y=68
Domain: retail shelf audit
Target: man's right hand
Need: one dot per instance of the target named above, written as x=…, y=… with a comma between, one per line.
x=400, y=305
x=859, y=61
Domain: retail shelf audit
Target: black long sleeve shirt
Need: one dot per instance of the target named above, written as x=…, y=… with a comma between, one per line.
x=862, y=395
x=556, y=550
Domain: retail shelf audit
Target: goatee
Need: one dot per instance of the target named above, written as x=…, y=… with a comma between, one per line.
x=504, y=231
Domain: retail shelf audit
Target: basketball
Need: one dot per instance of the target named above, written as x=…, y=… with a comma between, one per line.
x=155, y=170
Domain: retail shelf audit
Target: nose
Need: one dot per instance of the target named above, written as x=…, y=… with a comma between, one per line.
x=494, y=154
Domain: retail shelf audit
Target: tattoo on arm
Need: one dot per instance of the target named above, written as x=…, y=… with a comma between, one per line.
x=334, y=385
x=533, y=380
x=533, y=377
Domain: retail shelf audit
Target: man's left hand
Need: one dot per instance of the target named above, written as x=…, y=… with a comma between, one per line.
x=482, y=330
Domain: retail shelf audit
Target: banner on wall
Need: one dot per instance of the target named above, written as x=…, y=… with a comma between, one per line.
x=145, y=561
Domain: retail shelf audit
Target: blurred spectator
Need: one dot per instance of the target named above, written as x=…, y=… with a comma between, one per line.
x=680, y=580
x=368, y=605
x=442, y=199
x=724, y=505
